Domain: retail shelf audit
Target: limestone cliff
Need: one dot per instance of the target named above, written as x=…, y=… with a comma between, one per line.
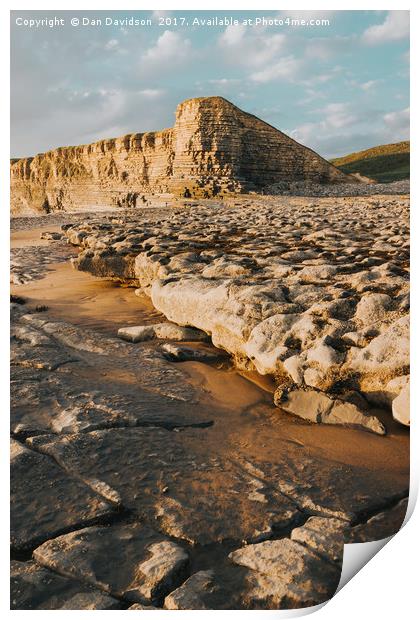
x=213, y=148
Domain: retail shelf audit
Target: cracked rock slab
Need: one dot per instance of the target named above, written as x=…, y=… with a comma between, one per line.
x=190, y=594
x=45, y=500
x=35, y=587
x=194, y=592
x=133, y=388
x=173, y=481
x=384, y=524
x=130, y=561
x=97, y=350
x=38, y=356
x=191, y=487
x=328, y=488
x=68, y=402
x=324, y=536
x=285, y=574
x=217, y=588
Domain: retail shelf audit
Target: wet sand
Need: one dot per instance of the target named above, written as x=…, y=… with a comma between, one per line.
x=82, y=299
x=31, y=237
x=251, y=414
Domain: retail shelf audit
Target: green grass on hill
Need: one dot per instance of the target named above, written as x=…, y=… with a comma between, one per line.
x=385, y=163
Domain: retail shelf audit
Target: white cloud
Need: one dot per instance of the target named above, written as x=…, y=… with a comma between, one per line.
x=316, y=80
x=156, y=15
x=311, y=96
x=395, y=27
x=223, y=82
x=112, y=44
x=321, y=78
x=284, y=68
x=327, y=48
x=251, y=47
x=151, y=93
x=307, y=14
x=398, y=121
x=233, y=35
x=338, y=115
x=170, y=47
x=370, y=85
x=344, y=128
x=304, y=133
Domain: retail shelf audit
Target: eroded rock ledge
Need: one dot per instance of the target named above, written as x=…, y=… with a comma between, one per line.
x=316, y=294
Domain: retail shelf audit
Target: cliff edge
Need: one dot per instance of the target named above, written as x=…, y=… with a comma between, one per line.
x=214, y=148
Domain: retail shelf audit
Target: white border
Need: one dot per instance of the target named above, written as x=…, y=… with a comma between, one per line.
x=386, y=586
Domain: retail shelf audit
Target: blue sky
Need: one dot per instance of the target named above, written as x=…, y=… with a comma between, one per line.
x=336, y=88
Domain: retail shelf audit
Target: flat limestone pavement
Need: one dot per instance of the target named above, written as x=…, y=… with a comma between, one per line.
x=34, y=587
x=45, y=501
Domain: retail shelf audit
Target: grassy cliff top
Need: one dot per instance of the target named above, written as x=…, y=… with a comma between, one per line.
x=384, y=163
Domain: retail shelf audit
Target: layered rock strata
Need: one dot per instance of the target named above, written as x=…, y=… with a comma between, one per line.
x=213, y=148
x=316, y=294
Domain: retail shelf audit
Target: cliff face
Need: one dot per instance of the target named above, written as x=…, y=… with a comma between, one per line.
x=213, y=148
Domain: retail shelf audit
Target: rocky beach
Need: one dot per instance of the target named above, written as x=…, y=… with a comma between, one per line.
x=202, y=394
x=210, y=375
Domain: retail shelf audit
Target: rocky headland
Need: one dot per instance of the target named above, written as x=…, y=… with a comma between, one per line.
x=213, y=149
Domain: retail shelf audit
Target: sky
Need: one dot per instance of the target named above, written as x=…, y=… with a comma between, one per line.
x=336, y=88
